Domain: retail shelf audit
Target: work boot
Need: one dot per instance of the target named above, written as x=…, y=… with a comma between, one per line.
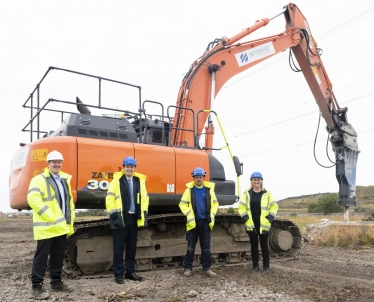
x=255, y=267
x=210, y=273
x=119, y=279
x=60, y=287
x=40, y=293
x=187, y=272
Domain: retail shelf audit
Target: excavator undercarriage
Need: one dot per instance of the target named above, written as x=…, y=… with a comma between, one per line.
x=162, y=245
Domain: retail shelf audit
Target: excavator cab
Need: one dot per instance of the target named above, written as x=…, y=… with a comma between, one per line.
x=152, y=131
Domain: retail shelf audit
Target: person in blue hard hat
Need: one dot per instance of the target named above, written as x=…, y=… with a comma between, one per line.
x=258, y=209
x=199, y=204
x=127, y=204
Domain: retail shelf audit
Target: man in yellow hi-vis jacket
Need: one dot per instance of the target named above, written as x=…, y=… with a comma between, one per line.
x=51, y=200
x=199, y=204
x=127, y=203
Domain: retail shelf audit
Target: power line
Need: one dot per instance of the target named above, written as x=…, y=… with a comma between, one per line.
x=293, y=118
x=321, y=37
x=287, y=147
x=340, y=26
x=295, y=105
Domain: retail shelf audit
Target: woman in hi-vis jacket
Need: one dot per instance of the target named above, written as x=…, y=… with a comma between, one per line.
x=258, y=209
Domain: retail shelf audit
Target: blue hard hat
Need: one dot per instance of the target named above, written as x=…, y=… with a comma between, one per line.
x=129, y=161
x=256, y=175
x=198, y=172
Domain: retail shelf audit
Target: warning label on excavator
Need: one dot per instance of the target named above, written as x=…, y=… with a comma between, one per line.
x=37, y=172
x=170, y=188
x=39, y=155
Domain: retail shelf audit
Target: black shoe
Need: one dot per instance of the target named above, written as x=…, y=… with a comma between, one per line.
x=60, y=287
x=133, y=277
x=40, y=293
x=119, y=280
x=266, y=269
x=255, y=267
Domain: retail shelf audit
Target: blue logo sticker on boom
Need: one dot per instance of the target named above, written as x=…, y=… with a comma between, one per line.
x=244, y=57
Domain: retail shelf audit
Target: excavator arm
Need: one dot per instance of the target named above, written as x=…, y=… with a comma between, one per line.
x=227, y=57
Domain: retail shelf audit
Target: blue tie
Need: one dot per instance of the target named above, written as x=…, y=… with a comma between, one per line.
x=132, y=204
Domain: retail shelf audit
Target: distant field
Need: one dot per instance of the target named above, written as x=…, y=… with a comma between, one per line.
x=299, y=204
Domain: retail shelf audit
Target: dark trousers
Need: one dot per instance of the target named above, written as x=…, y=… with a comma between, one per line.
x=202, y=233
x=264, y=243
x=55, y=248
x=126, y=235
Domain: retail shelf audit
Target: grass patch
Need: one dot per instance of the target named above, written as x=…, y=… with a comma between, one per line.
x=365, y=240
x=349, y=241
x=330, y=242
x=359, y=240
x=345, y=241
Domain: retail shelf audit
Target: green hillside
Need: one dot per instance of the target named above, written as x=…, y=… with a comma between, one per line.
x=365, y=200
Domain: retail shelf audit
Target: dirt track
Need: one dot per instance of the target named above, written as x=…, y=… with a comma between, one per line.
x=317, y=274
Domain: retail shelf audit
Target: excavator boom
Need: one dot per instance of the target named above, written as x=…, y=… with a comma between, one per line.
x=231, y=56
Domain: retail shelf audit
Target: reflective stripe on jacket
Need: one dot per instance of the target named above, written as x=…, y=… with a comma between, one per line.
x=268, y=206
x=48, y=218
x=113, y=200
x=186, y=205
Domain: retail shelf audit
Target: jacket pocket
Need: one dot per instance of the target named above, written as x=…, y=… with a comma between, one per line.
x=116, y=221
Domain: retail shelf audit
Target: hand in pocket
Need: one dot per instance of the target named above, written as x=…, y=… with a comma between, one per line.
x=115, y=220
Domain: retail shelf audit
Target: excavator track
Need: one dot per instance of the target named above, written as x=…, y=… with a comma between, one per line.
x=162, y=245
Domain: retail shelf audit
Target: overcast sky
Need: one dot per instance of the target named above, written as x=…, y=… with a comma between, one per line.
x=268, y=112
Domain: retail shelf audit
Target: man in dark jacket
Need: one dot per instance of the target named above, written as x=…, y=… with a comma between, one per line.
x=127, y=203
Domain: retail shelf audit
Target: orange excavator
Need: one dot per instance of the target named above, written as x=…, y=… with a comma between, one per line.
x=166, y=147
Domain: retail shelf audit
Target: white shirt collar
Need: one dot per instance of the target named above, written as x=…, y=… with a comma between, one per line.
x=56, y=176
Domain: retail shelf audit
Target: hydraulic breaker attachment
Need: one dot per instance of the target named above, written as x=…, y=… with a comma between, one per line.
x=344, y=142
x=346, y=163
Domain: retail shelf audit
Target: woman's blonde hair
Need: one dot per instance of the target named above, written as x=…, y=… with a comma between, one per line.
x=262, y=185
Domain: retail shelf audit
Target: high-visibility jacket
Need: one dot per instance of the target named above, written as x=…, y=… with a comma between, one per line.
x=268, y=206
x=44, y=199
x=188, y=204
x=113, y=200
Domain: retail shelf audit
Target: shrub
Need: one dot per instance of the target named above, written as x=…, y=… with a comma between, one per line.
x=359, y=210
x=330, y=242
x=372, y=214
x=326, y=205
x=293, y=214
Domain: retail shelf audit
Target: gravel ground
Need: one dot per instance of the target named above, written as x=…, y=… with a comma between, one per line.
x=317, y=274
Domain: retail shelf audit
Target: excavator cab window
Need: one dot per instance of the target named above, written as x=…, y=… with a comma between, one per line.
x=155, y=136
